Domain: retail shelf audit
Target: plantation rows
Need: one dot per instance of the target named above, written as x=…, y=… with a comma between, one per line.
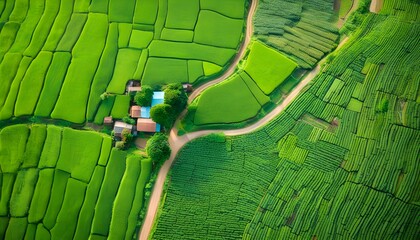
x=347, y=153
x=59, y=183
x=81, y=49
x=303, y=30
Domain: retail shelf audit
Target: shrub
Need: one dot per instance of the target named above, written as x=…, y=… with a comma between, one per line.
x=176, y=97
x=158, y=148
x=163, y=114
x=144, y=97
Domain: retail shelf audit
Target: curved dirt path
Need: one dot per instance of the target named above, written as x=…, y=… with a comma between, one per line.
x=177, y=142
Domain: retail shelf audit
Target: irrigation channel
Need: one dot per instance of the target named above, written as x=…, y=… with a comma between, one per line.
x=177, y=142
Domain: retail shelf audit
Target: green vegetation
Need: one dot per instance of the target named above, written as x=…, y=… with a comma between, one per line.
x=158, y=148
x=163, y=114
x=304, y=31
x=53, y=188
x=227, y=102
x=144, y=97
x=267, y=67
x=57, y=58
x=294, y=178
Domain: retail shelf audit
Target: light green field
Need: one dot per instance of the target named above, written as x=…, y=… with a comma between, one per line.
x=182, y=14
x=175, y=70
x=268, y=67
x=228, y=102
x=217, y=30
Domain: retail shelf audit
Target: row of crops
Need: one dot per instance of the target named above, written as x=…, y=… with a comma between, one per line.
x=303, y=30
x=242, y=96
x=60, y=183
x=58, y=57
x=340, y=163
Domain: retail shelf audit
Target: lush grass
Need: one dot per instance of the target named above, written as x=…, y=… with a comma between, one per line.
x=124, y=33
x=23, y=190
x=104, y=110
x=8, y=69
x=105, y=151
x=52, y=84
x=121, y=11
x=256, y=91
x=304, y=31
x=43, y=28
x=16, y=228
x=124, y=199
x=211, y=68
x=59, y=26
x=121, y=106
x=104, y=72
x=141, y=65
x=87, y=211
x=8, y=107
x=39, y=202
x=72, y=33
x=99, y=6
x=267, y=67
x=12, y=147
x=31, y=85
x=182, y=14
x=219, y=56
x=217, y=30
x=28, y=26
x=8, y=35
x=35, y=142
x=146, y=12
x=160, y=71
x=67, y=218
x=125, y=67
x=345, y=6
x=195, y=70
x=75, y=148
x=230, y=8
x=140, y=39
x=138, y=201
x=42, y=233
x=51, y=150
x=56, y=199
x=8, y=179
x=71, y=104
x=177, y=35
x=228, y=102
x=103, y=210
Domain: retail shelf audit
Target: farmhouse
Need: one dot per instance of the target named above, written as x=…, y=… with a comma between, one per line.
x=119, y=128
x=147, y=125
x=135, y=111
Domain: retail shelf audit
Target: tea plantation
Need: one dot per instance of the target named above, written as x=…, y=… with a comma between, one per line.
x=341, y=162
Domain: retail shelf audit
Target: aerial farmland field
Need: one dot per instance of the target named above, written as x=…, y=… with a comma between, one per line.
x=209, y=119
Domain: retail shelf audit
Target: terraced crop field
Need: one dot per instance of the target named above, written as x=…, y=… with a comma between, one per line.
x=303, y=30
x=58, y=57
x=60, y=183
x=242, y=96
x=339, y=163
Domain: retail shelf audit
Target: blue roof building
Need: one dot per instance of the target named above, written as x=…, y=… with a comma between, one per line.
x=158, y=98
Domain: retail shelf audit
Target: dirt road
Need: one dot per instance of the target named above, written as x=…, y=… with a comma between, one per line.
x=177, y=142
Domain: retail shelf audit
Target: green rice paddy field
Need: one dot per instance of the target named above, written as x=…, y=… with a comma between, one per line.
x=242, y=96
x=60, y=183
x=58, y=57
x=340, y=163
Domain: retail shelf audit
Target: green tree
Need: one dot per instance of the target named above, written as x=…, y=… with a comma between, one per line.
x=163, y=114
x=176, y=97
x=144, y=97
x=158, y=148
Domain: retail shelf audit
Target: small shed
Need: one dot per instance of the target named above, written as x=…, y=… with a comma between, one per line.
x=187, y=87
x=135, y=111
x=108, y=121
x=119, y=128
x=133, y=89
x=147, y=125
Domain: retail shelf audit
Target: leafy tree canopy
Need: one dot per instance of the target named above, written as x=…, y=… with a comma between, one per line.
x=144, y=97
